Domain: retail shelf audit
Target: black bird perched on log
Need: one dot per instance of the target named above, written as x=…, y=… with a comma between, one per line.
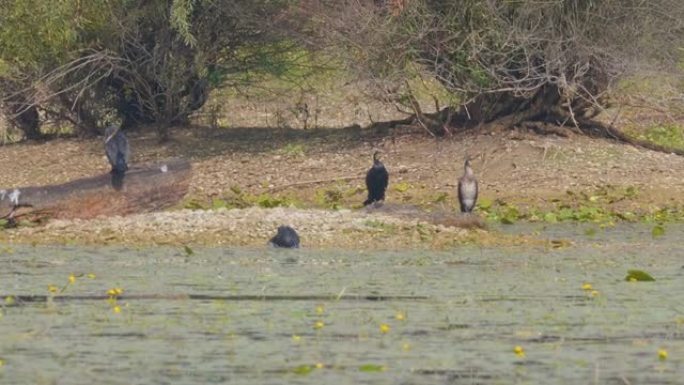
x=377, y=179
x=117, y=149
x=286, y=237
x=467, y=189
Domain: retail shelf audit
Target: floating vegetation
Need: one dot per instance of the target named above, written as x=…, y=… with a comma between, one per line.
x=638, y=276
x=303, y=370
x=372, y=368
x=188, y=251
x=657, y=231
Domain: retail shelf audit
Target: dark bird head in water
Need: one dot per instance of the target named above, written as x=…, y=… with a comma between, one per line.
x=286, y=237
x=375, y=156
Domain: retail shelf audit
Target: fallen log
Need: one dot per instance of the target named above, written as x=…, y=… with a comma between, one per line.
x=143, y=188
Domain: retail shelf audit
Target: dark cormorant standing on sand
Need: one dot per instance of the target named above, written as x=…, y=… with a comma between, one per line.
x=117, y=149
x=467, y=189
x=286, y=237
x=377, y=179
x=118, y=153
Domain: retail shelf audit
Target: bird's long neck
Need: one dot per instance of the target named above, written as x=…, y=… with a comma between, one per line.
x=468, y=171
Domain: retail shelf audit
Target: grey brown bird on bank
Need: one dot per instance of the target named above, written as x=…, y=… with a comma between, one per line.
x=286, y=237
x=467, y=189
x=117, y=149
x=377, y=179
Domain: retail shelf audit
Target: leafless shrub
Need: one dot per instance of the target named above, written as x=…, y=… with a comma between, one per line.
x=508, y=61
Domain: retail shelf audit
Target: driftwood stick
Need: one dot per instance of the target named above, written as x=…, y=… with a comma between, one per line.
x=309, y=182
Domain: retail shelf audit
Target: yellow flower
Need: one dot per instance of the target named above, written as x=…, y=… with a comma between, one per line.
x=91, y=275
x=384, y=328
x=9, y=300
x=117, y=309
x=406, y=347
x=632, y=279
x=662, y=354
x=319, y=325
x=320, y=365
x=400, y=316
x=53, y=289
x=72, y=279
x=594, y=293
x=117, y=291
x=519, y=351
x=586, y=286
x=296, y=338
x=320, y=309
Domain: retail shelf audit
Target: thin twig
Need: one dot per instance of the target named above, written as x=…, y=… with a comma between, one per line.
x=305, y=183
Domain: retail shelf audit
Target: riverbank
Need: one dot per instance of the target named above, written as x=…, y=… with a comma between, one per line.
x=246, y=181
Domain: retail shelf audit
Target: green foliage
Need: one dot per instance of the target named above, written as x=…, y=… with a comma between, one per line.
x=510, y=215
x=670, y=136
x=292, y=149
x=38, y=35
x=441, y=197
x=484, y=204
x=269, y=201
x=329, y=197
x=381, y=226
x=594, y=207
x=240, y=199
x=156, y=64
x=401, y=187
x=638, y=275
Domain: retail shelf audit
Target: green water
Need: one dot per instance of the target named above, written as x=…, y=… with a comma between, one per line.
x=249, y=315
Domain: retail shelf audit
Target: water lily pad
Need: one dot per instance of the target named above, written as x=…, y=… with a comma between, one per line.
x=303, y=369
x=638, y=275
x=658, y=231
x=371, y=368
